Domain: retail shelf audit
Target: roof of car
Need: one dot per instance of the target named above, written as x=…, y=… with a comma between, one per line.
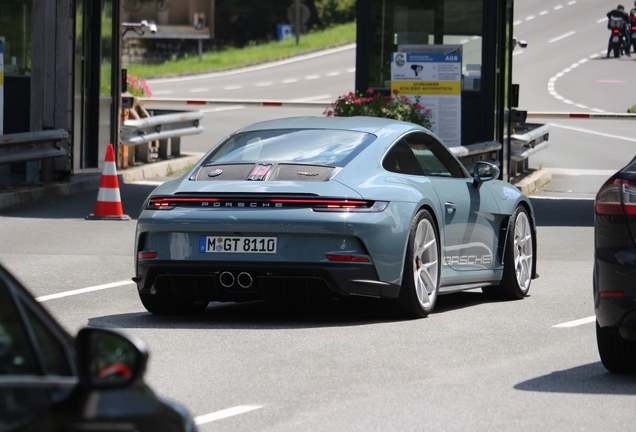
x=361, y=124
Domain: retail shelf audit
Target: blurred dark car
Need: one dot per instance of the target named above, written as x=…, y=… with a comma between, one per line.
x=615, y=270
x=52, y=382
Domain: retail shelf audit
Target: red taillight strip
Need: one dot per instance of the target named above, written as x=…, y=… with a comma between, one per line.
x=146, y=255
x=612, y=294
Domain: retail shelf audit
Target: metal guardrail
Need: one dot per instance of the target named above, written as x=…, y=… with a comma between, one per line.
x=165, y=126
x=29, y=147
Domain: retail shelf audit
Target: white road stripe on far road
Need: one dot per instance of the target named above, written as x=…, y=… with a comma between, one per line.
x=82, y=290
x=241, y=409
x=576, y=322
x=563, y=36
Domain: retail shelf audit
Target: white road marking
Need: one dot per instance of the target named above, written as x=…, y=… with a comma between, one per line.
x=594, y=133
x=558, y=38
x=558, y=7
x=570, y=3
x=517, y=53
x=602, y=20
x=199, y=90
x=351, y=70
x=313, y=98
x=241, y=409
x=222, y=108
x=576, y=323
x=162, y=92
x=517, y=22
x=232, y=87
x=264, y=84
x=581, y=172
x=290, y=80
x=312, y=77
x=254, y=68
x=336, y=73
x=531, y=17
x=82, y=291
x=543, y=12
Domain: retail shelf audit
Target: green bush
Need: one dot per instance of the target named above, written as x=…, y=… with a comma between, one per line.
x=632, y=110
x=332, y=12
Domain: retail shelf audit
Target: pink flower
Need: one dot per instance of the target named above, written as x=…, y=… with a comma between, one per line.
x=357, y=101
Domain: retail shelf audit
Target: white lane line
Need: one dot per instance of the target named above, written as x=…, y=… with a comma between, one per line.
x=312, y=77
x=570, y=3
x=290, y=80
x=241, y=409
x=582, y=172
x=222, y=108
x=313, y=98
x=517, y=22
x=331, y=74
x=517, y=53
x=563, y=36
x=594, y=132
x=162, y=92
x=602, y=20
x=83, y=290
x=531, y=17
x=232, y=87
x=253, y=68
x=557, y=7
x=351, y=70
x=199, y=90
x=576, y=323
x=543, y=12
x=264, y=84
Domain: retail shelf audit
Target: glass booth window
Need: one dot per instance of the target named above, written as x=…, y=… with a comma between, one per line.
x=403, y=25
x=15, y=27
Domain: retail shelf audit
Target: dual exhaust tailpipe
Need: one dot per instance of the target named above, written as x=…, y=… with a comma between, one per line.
x=243, y=280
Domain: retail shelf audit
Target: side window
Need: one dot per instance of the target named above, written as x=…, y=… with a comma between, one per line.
x=401, y=159
x=433, y=157
x=16, y=352
x=51, y=348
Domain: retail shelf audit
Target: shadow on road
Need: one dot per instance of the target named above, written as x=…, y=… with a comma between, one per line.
x=78, y=206
x=269, y=315
x=571, y=213
x=592, y=378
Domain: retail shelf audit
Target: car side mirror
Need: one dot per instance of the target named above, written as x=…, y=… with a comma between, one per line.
x=109, y=358
x=485, y=171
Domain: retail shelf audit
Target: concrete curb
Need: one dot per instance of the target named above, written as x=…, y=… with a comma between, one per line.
x=533, y=181
x=90, y=182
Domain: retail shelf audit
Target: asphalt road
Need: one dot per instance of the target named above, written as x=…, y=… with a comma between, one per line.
x=473, y=364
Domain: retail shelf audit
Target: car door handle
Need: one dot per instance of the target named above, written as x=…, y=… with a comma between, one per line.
x=450, y=207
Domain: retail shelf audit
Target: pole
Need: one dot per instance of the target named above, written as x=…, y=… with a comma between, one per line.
x=297, y=10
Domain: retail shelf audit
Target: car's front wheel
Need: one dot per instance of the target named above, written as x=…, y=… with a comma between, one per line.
x=420, y=281
x=167, y=304
x=618, y=355
x=518, y=259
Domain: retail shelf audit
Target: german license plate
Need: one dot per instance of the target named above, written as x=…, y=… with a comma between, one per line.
x=615, y=39
x=221, y=244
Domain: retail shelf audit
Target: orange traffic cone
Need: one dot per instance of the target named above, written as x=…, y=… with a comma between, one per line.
x=108, y=199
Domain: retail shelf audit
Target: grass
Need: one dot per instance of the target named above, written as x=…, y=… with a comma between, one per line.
x=233, y=58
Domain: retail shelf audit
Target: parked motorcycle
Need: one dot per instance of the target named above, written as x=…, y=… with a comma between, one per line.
x=616, y=41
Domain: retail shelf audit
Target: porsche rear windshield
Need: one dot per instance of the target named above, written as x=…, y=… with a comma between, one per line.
x=311, y=146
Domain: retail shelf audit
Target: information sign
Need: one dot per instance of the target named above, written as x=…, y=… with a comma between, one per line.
x=436, y=78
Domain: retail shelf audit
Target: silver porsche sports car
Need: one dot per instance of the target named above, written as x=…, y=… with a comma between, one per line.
x=312, y=208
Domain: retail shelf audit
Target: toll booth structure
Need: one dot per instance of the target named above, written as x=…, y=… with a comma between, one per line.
x=484, y=31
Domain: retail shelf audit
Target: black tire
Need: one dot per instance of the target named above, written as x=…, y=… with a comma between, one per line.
x=617, y=50
x=618, y=355
x=518, y=259
x=166, y=304
x=422, y=268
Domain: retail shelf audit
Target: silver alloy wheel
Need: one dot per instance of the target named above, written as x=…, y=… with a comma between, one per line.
x=523, y=251
x=425, y=268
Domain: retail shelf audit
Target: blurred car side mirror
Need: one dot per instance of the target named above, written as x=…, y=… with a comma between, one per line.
x=109, y=358
x=484, y=171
